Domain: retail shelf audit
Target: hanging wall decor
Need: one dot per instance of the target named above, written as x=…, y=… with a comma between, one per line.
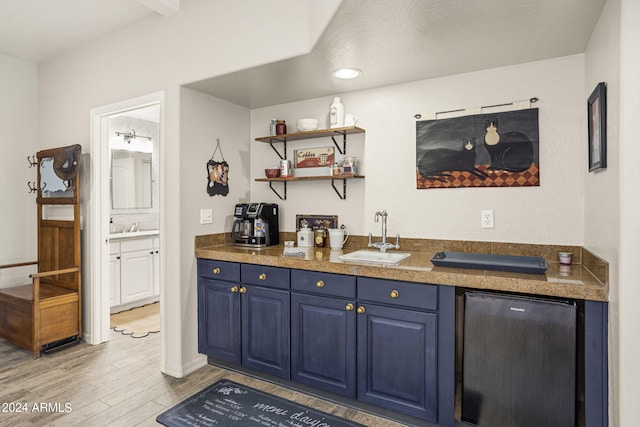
x=480, y=150
x=217, y=174
x=597, y=127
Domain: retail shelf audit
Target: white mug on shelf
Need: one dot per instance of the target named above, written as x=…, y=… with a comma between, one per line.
x=338, y=237
x=350, y=119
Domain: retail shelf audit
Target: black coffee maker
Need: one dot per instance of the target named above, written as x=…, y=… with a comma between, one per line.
x=255, y=225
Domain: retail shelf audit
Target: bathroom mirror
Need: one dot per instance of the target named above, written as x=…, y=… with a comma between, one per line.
x=130, y=179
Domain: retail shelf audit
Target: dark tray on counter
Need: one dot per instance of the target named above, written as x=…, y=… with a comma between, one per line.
x=511, y=263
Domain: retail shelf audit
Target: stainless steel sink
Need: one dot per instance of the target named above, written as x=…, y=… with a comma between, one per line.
x=376, y=257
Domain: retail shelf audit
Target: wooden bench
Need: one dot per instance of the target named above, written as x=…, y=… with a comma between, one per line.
x=41, y=312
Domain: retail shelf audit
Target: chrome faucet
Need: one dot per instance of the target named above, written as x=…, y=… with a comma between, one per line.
x=383, y=245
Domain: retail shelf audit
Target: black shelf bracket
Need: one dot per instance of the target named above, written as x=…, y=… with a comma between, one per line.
x=342, y=195
x=280, y=196
x=342, y=150
x=284, y=141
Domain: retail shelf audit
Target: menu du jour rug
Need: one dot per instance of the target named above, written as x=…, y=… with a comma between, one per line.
x=137, y=322
x=226, y=403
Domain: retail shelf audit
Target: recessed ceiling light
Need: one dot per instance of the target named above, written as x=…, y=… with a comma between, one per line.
x=346, y=73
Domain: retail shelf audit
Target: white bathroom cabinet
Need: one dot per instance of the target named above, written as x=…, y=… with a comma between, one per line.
x=134, y=273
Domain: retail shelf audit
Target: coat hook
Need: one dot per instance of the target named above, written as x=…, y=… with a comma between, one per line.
x=32, y=187
x=32, y=161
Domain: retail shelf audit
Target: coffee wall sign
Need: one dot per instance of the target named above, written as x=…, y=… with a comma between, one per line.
x=314, y=157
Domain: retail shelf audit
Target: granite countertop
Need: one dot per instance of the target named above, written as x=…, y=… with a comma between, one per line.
x=577, y=283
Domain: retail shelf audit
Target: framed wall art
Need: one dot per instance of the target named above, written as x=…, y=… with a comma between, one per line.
x=597, y=127
x=317, y=221
x=480, y=150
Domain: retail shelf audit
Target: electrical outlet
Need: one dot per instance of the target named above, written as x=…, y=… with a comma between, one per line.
x=206, y=216
x=487, y=218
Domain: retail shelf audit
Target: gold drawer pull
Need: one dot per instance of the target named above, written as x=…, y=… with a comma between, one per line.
x=243, y=290
x=234, y=289
x=216, y=270
x=262, y=276
x=394, y=294
x=361, y=310
x=320, y=284
x=349, y=307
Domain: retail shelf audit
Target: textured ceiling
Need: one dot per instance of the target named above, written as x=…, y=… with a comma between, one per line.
x=390, y=41
x=407, y=40
x=38, y=30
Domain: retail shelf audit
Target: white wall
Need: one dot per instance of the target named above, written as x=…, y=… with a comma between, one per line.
x=629, y=291
x=18, y=139
x=203, y=40
x=602, y=195
x=203, y=120
x=550, y=213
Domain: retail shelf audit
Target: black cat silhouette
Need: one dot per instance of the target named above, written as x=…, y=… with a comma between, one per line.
x=510, y=151
x=437, y=163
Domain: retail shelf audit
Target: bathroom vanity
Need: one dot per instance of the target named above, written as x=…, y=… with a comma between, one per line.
x=134, y=269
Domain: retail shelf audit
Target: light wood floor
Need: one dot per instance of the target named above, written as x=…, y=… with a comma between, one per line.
x=118, y=383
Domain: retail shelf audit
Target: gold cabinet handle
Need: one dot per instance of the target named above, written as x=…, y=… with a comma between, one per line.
x=243, y=290
x=234, y=289
x=320, y=284
x=262, y=276
x=349, y=307
x=361, y=310
x=394, y=294
x=216, y=270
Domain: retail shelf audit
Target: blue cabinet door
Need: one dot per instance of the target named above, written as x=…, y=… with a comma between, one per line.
x=219, y=319
x=397, y=360
x=265, y=330
x=323, y=343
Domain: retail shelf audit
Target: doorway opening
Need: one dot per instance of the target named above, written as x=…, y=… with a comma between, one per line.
x=126, y=221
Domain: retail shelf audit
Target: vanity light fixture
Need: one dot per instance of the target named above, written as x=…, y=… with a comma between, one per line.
x=128, y=136
x=346, y=73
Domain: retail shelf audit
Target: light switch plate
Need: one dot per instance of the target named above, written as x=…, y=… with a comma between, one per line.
x=206, y=216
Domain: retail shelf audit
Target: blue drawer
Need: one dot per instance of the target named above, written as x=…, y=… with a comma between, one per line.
x=262, y=275
x=222, y=270
x=406, y=294
x=324, y=283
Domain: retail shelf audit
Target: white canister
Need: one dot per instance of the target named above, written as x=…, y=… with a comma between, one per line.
x=338, y=237
x=336, y=113
x=305, y=237
x=350, y=119
x=285, y=168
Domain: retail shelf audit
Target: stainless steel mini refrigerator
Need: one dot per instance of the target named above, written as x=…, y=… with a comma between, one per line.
x=519, y=361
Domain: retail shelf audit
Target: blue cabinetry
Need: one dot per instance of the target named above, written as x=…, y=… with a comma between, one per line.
x=265, y=330
x=403, y=363
x=323, y=331
x=397, y=360
x=383, y=342
x=219, y=305
x=245, y=322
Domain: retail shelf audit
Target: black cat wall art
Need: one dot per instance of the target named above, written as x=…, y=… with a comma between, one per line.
x=482, y=150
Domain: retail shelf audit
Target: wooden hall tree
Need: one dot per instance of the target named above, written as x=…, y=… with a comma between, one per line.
x=47, y=312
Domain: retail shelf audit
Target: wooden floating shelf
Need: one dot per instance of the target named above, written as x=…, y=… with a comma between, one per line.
x=322, y=133
x=348, y=130
x=309, y=178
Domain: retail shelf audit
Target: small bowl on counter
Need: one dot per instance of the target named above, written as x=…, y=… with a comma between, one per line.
x=306, y=125
x=272, y=172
